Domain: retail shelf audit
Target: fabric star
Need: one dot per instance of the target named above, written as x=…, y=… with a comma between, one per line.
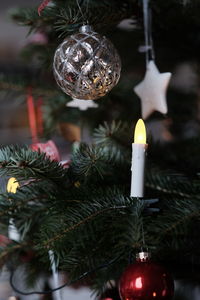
x=152, y=91
x=82, y=104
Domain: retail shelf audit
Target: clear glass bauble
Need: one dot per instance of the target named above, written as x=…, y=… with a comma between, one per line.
x=86, y=65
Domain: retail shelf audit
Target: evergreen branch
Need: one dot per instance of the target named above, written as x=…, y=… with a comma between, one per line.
x=169, y=182
x=69, y=19
x=23, y=163
x=16, y=204
x=47, y=244
x=20, y=86
x=89, y=162
x=107, y=134
x=65, y=17
x=29, y=17
x=114, y=140
x=182, y=220
x=81, y=213
x=174, y=222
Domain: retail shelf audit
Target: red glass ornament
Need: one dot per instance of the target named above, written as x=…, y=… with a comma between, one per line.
x=146, y=280
x=49, y=148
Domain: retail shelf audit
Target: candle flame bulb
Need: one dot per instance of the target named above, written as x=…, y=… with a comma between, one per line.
x=12, y=185
x=140, y=133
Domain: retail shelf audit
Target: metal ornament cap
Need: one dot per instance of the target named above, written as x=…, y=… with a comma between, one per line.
x=143, y=256
x=85, y=29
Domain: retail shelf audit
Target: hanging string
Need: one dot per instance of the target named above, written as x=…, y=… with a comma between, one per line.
x=152, y=52
x=143, y=238
x=81, y=11
x=149, y=51
x=146, y=36
x=32, y=116
x=87, y=10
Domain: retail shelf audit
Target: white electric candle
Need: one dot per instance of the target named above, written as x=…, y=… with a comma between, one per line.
x=13, y=233
x=138, y=160
x=55, y=274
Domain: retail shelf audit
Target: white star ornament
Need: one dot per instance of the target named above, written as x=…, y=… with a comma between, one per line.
x=82, y=104
x=152, y=91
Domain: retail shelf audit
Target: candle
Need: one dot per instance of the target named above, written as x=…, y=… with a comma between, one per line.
x=13, y=233
x=54, y=268
x=138, y=160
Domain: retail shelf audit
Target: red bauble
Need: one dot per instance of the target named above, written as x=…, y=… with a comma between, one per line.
x=49, y=148
x=146, y=280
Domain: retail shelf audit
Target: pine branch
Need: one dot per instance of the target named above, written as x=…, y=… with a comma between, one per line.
x=96, y=219
x=88, y=211
x=10, y=205
x=170, y=182
x=106, y=13
x=65, y=17
x=19, y=84
x=173, y=224
x=89, y=162
x=114, y=140
x=23, y=163
x=29, y=17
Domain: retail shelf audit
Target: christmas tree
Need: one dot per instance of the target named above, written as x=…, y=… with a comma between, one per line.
x=82, y=211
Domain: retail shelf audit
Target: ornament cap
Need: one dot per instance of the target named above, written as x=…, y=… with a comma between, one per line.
x=143, y=256
x=85, y=29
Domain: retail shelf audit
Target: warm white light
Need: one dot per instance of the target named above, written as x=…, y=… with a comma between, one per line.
x=140, y=133
x=12, y=185
x=154, y=294
x=138, y=282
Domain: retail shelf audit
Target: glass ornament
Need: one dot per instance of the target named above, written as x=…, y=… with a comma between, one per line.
x=49, y=148
x=86, y=65
x=145, y=280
